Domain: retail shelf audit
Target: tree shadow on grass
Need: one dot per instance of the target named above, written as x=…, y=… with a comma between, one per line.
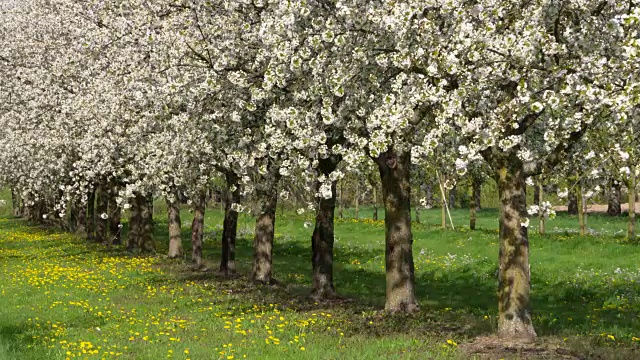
x=459, y=296
x=454, y=302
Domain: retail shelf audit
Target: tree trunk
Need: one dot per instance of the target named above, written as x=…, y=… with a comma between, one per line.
x=197, y=229
x=357, y=200
x=572, y=208
x=541, y=218
x=476, y=191
x=452, y=197
x=175, y=231
x=91, y=215
x=613, y=207
x=582, y=216
x=395, y=175
x=514, y=318
x=140, y=234
x=473, y=207
x=375, y=203
x=146, y=242
x=322, y=239
x=102, y=210
x=135, y=224
x=115, y=218
x=263, y=238
x=429, y=192
x=15, y=203
x=536, y=193
x=81, y=220
x=230, y=225
x=73, y=216
x=631, y=229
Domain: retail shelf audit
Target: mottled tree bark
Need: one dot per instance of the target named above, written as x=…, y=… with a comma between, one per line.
x=15, y=203
x=514, y=318
x=197, y=228
x=36, y=212
x=91, y=215
x=473, y=209
x=572, y=208
x=102, y=211
x=395, y=175
x=614, y=207
x=631, y=228
x=476, y=191
x=141, y=225
x=536, y=193
x=357, y=200
x=81, y=220
x=115, y=218
x=135, y=224
x=582, y=215
x=322, y=239
x=146, y=241
x=263, y=238
x=429, y=193
x=72, y=221
x=27, y=210
x=375, y=203
x=175, y=231
x=230, y=225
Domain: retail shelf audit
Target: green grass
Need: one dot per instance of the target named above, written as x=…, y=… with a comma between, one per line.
x=59, y=294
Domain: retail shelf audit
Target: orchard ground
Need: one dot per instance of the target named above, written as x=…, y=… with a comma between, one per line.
x=61, y=297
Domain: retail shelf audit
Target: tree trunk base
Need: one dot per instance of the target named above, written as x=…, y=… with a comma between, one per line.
x=403, y=308
x=270, y=281
x=324, y=293
x=516, y=330
x=227, y=274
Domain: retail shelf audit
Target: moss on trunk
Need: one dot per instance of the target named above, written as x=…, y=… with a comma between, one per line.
x=614, y=207
x=102, y=209
x=395, y=176
x=582, y=215
x=91, y=215
x=197, y=229
x=263, y=238
x=230, y=225
x=81, y=220
x=175, y=231
x=115, y=217
x=322, y=239
x=16, y=203
x=514, y=318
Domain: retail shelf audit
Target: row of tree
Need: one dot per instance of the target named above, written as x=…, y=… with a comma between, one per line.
x=123, y=100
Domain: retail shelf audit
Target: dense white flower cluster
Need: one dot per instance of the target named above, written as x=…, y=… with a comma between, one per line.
x=545, y=209
x=163, y=95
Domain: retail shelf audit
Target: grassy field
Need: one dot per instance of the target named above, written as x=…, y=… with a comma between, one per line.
x=61, y=297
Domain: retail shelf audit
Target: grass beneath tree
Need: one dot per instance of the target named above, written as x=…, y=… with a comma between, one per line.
x=63, y=298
